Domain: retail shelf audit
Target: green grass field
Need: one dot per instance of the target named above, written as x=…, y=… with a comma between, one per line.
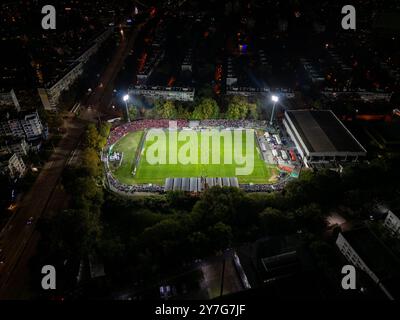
x=128, y=146
x=148, y=173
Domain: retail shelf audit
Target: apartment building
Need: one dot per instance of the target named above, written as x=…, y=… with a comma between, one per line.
x=16, y=145
x=366, y=252
x=12, y=165
x=8, y=98
x=392, y=223
x=25, y=124
x=51, y=92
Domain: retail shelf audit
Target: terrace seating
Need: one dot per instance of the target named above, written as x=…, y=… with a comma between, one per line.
x=118, y=132
x=130, y=189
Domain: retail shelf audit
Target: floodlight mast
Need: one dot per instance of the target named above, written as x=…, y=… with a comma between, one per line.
x=126, y=98
x=274, y=99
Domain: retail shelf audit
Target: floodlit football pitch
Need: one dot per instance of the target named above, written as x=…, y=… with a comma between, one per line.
x=147, y=172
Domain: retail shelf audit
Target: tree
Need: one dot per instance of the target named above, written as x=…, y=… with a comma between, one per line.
x=91, y=162
x=275, y=222
x=252, y=111
x=179, y=200
x=70, y=175
x=164, y=230
x=220, y=236
x=310, y=217
x=182, y=112
x=165, y=109
x=133, y=112
x=86, y=193
x=207, y=108
x=93, y=139
x=104, y=130
x=166, y=240
x=218, y=204
x=91, y=136
x=199, y=242
x=113, y=249
x=71, y=233
x=238, y=108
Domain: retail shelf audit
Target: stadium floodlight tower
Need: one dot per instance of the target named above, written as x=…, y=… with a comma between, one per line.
x=126, y=98
x=274, y=99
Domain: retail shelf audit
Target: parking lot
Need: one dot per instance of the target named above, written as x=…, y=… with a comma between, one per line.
x=278, y=148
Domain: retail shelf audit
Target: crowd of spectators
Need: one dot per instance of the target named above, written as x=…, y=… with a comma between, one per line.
x=131, y=189
x=232, y=123
x=262, y=187
x=118, y=132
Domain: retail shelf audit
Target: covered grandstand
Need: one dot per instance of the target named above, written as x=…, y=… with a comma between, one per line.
x=196, y=184
x=320, y=136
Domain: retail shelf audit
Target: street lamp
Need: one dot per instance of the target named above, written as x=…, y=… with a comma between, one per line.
x=274, y=99
x=126, y=98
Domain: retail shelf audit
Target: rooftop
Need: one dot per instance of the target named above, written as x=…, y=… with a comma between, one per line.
x=322, y=131
x=376, y=256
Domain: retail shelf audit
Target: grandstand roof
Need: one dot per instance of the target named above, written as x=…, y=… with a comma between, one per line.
x=198, y=184
x=322, y=132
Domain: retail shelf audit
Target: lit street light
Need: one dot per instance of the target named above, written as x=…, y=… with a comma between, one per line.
x=126, y=98
x=274, y=99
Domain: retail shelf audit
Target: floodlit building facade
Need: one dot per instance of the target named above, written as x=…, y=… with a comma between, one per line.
x=168, y=93
x=392, y=223
x=17, y=145
x=320, y=136
x=25, y=124
x=12, y=165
